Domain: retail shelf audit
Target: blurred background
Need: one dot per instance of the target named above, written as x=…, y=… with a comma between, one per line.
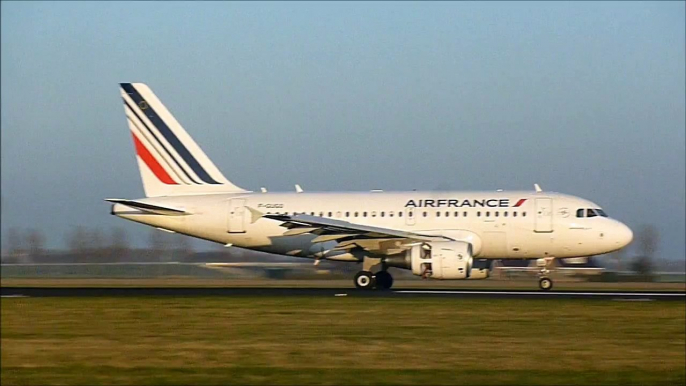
x=583, y=98
x=109, y=253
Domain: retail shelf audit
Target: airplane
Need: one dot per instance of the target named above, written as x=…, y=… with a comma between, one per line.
x=444, y=235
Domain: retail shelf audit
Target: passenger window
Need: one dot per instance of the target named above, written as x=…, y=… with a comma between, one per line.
x=488, y=214
x=383, y=213
x=311, y=213
x=425, y=214
x=438, y=214
x=400, y=214
x=364, y=214
x=505, y=214
x=330, y=214
x=447, y=214
x=321, y=214
x=347, y=214
x=580, y=213
x=373, y=214
x=497, y=214
x=464, y=213
x=357, y=213
x=523, y=214
x=478, y=214
x=514, y=214
x=457, y=213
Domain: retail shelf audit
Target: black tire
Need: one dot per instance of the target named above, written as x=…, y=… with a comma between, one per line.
x=384, y=280
x=365, y=280
x=546, y=284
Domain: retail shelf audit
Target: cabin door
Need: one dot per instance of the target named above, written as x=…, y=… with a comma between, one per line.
x=544, y=215
x=236, y=219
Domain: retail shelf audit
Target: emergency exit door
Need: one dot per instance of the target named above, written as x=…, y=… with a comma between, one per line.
x=544, y=215
x=236, y=218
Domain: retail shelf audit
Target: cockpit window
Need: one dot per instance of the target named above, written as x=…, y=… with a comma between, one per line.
x=590, y=212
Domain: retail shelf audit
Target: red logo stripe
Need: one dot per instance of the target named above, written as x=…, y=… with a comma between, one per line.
x=152, y=163
x=520, y=202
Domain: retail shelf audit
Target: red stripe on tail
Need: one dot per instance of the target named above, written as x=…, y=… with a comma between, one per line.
x=152, y=163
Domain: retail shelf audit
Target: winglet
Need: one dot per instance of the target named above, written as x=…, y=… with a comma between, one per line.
x=537, y=188
x=298, y=189
x=263, y=189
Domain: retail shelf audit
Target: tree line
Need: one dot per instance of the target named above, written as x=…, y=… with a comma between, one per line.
x=93, y=245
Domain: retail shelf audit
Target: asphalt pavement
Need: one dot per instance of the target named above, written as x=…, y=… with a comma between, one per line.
x=8, y=292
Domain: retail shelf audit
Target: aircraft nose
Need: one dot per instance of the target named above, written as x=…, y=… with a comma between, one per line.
x=624, y=235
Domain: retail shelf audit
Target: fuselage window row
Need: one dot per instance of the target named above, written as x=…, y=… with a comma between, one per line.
x=411, y=214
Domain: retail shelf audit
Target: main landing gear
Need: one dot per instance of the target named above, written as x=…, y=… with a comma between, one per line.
x=368, y=281
x=384, y=280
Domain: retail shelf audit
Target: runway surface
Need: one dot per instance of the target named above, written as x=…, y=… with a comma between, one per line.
x=14, y=292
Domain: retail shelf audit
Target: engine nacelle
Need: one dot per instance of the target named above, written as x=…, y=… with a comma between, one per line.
x=481, y=269
x=443, y=260
x=479, y=274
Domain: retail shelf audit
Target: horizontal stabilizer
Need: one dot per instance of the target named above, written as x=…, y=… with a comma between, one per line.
x=150, y=208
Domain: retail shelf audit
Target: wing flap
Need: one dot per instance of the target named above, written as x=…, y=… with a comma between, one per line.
x=345, y=227
x=350, y=235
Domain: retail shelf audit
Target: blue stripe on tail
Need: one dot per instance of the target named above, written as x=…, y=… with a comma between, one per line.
x=152, y=133
x=168, y=134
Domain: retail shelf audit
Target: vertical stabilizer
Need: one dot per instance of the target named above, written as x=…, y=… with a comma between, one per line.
x=170, y=162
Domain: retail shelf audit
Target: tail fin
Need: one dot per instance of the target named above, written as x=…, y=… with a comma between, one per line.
x=170, y=162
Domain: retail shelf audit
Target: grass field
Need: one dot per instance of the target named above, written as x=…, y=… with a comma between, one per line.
x=341, y=341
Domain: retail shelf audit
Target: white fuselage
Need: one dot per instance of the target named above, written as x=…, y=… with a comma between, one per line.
x=499, y=225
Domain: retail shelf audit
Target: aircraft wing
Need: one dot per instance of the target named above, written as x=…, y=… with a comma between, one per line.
x=350, y=235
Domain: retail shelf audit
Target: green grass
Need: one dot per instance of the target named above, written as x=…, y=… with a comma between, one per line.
x=341, y=341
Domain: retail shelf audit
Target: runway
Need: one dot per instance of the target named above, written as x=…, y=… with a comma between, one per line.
x=20, y=292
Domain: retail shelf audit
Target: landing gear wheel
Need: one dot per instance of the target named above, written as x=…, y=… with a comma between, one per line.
x=545, y=284
x=365, y=280
x=384, y=280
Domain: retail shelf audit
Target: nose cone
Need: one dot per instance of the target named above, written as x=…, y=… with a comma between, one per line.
x=623, y=235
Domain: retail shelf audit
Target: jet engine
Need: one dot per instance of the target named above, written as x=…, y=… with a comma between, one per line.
x=443, y=260
x=481, y=269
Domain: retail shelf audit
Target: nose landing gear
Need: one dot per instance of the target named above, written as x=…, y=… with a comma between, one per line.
x=544, y=282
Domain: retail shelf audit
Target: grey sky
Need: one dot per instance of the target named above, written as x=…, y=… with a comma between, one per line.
x=584, y=98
